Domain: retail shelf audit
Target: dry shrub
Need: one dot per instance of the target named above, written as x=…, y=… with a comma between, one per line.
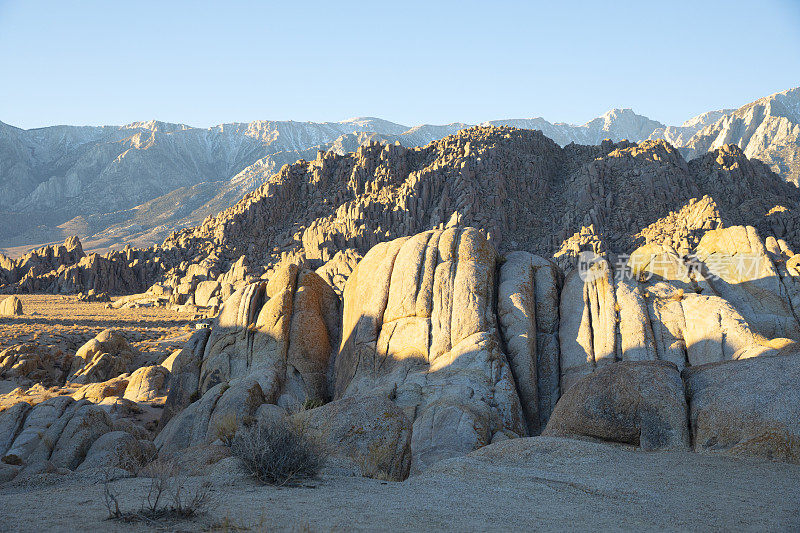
x=167, y=499
x=277, y=452
x=225, y=429
x=132, y=457
x=312, y=403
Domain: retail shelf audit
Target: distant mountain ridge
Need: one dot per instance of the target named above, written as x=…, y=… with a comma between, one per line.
x=115, y=185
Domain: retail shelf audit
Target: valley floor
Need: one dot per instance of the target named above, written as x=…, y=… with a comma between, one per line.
x=54, y=319
x=542, y=484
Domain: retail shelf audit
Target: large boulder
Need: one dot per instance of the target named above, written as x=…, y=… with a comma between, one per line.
x=205, y=291
x=106, y=356
x=11, y=306
x=373, y=432
x=640, y=403
x=147, y=383
x=749, y=407
x=419, y=328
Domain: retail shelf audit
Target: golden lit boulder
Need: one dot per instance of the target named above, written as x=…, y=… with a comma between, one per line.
x=11, y=306
x=106, y=356
x=420, y=329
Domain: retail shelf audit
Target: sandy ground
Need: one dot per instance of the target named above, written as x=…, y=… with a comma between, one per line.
x=542, y=484
x=54, y=320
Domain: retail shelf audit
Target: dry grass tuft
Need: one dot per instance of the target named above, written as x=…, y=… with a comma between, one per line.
x=225, y=429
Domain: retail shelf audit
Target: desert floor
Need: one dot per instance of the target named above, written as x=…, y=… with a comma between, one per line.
x=542, y=484
x=66, y=318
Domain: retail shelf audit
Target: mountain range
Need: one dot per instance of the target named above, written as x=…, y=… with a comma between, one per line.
x=136, y=184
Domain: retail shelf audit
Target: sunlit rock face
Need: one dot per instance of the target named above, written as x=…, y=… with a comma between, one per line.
x=271, y=344
x=419, y=327
x=423, y=325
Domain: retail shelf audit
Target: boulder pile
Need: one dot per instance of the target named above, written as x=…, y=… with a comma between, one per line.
x=464, y=347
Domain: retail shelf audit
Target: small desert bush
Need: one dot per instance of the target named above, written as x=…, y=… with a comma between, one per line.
x=132, y=457
x=168, y=497
x=226, y=429
x=277, y=452
x=312, y=403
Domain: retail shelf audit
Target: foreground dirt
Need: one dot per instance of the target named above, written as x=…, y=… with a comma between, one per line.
x=543, y=484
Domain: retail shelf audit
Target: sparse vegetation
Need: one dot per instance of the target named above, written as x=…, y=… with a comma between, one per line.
x=225, y=429
x=276, y=452
x=168, y=497
x=312, y=403
x=132, y=458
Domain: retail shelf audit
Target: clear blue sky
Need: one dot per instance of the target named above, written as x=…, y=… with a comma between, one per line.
x=410, y=62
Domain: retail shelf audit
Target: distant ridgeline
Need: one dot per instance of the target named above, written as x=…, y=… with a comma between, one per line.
x=135, y=184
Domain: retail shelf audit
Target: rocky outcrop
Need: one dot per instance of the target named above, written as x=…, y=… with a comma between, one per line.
x=104, y=357
x=336, y=271
x=40, y=261
x=60, y=430
x=271, y=343
x=475, y=347
x=65, y=269
x=43, y=364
